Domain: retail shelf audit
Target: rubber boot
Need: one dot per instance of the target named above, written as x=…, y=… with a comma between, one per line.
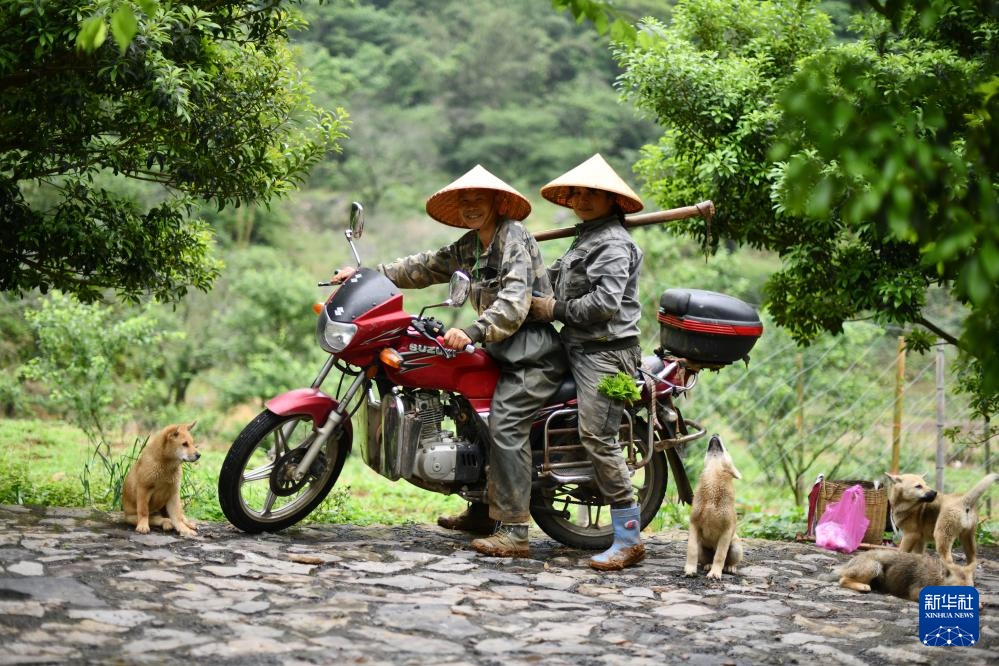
x=627, y=548
x=474, y=519
x=509, y=541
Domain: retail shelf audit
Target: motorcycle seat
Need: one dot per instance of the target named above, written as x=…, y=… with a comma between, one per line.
x=652, y=364
x=566, y=391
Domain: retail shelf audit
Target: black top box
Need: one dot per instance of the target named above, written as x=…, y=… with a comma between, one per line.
x=707, y=327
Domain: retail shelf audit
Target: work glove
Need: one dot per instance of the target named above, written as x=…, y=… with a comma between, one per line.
x=543, y=308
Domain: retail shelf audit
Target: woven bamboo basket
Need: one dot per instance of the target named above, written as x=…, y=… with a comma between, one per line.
x=875, y=505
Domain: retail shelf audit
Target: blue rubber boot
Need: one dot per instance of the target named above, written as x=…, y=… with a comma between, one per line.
x=627, y=548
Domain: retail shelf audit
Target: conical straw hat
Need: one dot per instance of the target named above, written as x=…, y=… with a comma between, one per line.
x=443, y=206
x=596, y=174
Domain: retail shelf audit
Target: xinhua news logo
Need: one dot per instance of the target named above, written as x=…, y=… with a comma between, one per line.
x=948, y=616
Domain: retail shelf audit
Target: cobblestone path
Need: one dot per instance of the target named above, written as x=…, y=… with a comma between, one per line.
x=78, y=586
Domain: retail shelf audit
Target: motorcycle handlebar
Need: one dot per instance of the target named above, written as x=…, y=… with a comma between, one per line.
x=333, y=282
x=468, y=348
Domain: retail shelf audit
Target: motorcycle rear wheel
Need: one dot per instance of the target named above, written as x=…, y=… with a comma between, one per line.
x=254, y=492
x=576, y=515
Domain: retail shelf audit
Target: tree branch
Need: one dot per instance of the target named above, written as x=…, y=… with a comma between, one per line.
x=939, y=331
x=65, y=63
x=878, y=7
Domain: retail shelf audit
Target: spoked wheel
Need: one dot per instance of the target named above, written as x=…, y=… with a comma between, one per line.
x=258, y=490
x=575, y=513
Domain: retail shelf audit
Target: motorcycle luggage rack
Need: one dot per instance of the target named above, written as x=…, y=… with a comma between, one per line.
x=697, y=433
x=579, y=471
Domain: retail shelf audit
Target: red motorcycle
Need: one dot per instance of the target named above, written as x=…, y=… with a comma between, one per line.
x=426, y=407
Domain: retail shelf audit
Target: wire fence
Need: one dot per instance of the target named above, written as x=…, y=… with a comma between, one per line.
x=838, y=408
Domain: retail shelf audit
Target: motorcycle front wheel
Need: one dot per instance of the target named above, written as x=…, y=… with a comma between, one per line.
x=257, y=488
x=575, y=513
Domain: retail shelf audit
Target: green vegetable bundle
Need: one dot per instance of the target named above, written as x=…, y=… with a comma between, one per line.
x=619, y=387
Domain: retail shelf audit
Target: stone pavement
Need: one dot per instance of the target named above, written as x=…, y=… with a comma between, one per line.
x=78, y=586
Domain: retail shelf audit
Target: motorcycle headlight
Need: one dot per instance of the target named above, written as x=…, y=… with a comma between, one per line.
x=334, y=336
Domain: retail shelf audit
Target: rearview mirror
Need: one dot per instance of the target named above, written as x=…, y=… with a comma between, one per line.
x=459, y=287
x=356, y=219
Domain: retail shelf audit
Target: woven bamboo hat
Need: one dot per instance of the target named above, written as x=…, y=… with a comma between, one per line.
x=443, y=205
x=596, y=174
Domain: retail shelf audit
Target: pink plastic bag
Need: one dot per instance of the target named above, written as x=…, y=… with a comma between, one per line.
x=843, y=523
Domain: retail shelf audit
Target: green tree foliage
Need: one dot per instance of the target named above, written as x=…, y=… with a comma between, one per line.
x=611, y=18
x=102, y=367
x=98, y=364
x=893, y=141
x=435, y=88
x=16, y=342
x=204, y=100
x=259, y=330
x=864, y=164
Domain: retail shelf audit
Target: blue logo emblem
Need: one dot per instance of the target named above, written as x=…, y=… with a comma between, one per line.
x=948, y=616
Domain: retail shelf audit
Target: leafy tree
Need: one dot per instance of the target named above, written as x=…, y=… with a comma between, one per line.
x=904, y=157
x=604, y=16
x=98, y=365
x=15, y=345
x=513, y=85
x=251, y=337
x=203, y=100
x=869, y=165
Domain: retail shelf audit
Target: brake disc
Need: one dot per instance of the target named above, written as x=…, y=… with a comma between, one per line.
x=282, y=480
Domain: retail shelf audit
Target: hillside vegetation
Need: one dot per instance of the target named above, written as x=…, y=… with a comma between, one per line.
x=431, y=89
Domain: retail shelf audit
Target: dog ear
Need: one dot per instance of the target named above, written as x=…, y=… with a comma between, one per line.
x=192, y=424
x=892, y=477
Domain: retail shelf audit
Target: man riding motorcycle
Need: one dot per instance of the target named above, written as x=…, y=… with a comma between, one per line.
x=505, y=265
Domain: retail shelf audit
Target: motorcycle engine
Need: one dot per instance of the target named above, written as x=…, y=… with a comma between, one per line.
x=439, y=455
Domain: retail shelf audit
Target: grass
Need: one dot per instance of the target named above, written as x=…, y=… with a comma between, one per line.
x=51, y=463
x=44, y=462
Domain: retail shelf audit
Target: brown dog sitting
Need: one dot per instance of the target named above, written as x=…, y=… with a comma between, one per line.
x=924, y=514
x=712, y=541
x=151, y=494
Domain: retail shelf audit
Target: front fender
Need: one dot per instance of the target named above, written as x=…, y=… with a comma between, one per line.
x=306, y=401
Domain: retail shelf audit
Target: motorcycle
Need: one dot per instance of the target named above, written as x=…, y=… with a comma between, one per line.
x=426, y=409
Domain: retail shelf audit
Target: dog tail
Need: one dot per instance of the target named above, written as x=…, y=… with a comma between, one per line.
x=972, y=496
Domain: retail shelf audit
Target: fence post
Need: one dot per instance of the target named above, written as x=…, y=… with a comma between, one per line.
x=941, y=458
x=988, y=465
x=896, y=430
x=799, y=422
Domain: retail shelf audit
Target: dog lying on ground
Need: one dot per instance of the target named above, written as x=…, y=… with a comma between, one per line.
x=712, y=542
x=901, y=574
x=924, y=514
x=151, y=495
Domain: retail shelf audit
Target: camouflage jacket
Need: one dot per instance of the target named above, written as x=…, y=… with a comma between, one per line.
x=596, y=284
x=503, y=277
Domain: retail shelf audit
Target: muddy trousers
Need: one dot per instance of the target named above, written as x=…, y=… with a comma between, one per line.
x=600, y=418
x=532, y=366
